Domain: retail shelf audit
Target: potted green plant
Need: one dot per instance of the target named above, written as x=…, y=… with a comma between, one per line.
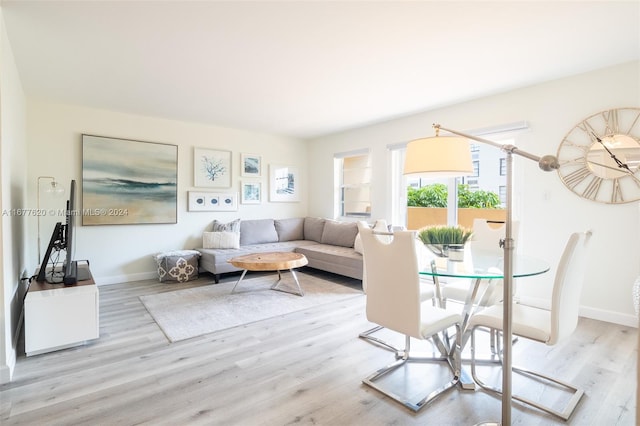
x=442, y=240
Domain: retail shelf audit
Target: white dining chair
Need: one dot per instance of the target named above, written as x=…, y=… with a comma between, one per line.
x=427, y=289
x=546, y=326
x=393, y=301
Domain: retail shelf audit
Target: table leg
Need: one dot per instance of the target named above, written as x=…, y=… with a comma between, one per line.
x=238, y=282
x=295, y=278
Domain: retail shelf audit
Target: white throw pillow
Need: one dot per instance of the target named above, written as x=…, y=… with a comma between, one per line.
x=221, y=240
x=380, y=226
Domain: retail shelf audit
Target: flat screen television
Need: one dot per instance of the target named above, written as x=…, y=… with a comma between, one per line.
x=63, y=238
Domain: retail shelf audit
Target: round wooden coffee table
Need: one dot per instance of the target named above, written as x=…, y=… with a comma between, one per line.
x=271, y=261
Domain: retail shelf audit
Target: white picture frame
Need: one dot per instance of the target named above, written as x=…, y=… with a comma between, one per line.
x=250, y=165
x=211, y=168
x=251, y=192
x=284, y=183
x=212, y=201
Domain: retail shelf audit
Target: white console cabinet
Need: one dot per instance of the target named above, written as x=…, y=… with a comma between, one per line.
x=58, y=316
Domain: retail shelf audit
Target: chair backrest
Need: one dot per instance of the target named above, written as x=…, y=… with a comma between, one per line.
x=487, y=237
x=393, y=283
x=567, y=286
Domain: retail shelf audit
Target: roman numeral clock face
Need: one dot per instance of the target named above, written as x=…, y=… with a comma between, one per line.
x=600, y=157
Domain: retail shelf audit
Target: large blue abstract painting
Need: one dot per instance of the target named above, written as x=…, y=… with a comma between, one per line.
x=128, y=182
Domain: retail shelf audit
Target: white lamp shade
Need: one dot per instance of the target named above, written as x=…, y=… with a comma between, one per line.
x=440, y=156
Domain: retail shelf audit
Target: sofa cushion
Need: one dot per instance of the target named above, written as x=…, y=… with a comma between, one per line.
x=313, y=227
x=336, y=259
x=221, y=240
x=339, y=233
x=233, y=226
x=290, y=229
x=257, y=231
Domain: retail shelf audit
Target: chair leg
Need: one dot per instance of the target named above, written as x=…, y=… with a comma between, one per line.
x=367, y=335
x=564, y=414
x=455, y=353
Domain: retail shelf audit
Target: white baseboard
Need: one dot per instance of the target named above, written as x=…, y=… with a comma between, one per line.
x=116, y=279
x=587, y=312
x=608, y=316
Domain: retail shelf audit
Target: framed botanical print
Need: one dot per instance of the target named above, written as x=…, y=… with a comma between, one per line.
x=251, y=193
x=284, y=183
x=211, y=168
x=250, y=165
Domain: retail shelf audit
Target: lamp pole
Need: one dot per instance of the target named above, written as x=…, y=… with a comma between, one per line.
x=546, y=163
x=55, y=187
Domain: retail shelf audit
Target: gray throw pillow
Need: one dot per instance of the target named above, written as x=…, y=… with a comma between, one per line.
x=258, y=231
x=290, y=229
x=233, y=226
x=339, y=233
x=313, y=227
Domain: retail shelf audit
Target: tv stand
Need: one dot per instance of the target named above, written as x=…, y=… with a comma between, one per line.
x=58, y=317
x=76, y=273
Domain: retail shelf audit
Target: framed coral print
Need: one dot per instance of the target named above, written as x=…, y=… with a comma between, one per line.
x=250, y=165
x=212, y=201
x=251, y=193
x=284, y=183
x=128, y=182
x=211, y=168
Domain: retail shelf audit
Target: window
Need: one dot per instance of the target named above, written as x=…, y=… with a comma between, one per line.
x=486, y=177
x=353, y=172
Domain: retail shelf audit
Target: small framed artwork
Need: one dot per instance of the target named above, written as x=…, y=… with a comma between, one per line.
x=211, y=168
x=284, y=183
x=250, y=165
x=251, y=193
x=212, y=201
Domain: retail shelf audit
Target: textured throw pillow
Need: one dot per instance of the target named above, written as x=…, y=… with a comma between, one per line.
x=221, y=240
x=178, y=268
x=233, y=226
x=339, y=233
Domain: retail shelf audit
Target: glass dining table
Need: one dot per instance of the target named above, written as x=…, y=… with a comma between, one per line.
x=477, y=266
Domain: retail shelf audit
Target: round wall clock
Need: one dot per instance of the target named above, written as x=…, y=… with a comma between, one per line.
x=600, y=157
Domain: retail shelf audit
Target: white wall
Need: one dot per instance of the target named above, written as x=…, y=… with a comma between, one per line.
x=123, y=253
x=12, y=182
x=548, y=212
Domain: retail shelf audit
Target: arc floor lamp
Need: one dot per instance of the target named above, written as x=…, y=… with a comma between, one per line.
x=450, y=156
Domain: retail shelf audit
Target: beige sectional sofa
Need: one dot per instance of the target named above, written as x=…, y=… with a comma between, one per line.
x=327, y=244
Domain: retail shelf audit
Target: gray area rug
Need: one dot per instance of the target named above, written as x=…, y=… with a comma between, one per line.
x=192, y=312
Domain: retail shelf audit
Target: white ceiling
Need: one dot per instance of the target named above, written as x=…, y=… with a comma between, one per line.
x=305, y=68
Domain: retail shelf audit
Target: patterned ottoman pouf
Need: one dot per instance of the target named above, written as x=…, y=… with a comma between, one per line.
x=178, y=265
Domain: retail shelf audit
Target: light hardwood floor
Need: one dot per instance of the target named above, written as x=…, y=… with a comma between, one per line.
x=301, y=368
